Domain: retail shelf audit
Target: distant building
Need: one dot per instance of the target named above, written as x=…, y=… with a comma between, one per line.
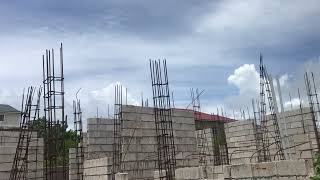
x=9, y=116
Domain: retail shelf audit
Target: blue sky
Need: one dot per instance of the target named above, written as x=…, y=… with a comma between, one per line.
x=204, y=42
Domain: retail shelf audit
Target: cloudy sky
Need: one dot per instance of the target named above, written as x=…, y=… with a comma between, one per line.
x=210, y=45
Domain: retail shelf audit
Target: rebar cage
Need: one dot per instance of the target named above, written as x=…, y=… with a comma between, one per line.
x=163, y=120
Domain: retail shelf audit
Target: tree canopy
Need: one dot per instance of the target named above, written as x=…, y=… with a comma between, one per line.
x=57, y=134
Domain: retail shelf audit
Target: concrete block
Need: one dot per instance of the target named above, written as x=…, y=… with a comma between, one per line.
x=264, y=169
x=185, y=120
x=121, y=176
x=147, y=117
x=227, y=171
x=188, y=173
x=285, y=168
x=183, y=113
x=241, y=171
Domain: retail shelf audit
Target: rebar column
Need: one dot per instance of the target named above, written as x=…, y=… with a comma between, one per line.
x=56, y=122
x=163, y=120
x=79, y=154
x=117, y=125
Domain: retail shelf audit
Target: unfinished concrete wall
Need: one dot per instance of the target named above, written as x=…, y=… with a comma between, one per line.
x=292, y=169
x=301, y=134
x=242, y=144
x=241, y=141
x=74, y=161
x=121, y=176
x=213, y=142
x=287, y=170
x=100, y=169
x=192, y=173
x=204, y=140
x=100, y=138
x=140, y=145
x=8, y=144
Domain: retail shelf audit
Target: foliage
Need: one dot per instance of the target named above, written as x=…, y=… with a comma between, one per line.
x=58, y=133
x=316, y=168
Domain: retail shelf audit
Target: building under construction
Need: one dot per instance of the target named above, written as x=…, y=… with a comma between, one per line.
x=157, y=141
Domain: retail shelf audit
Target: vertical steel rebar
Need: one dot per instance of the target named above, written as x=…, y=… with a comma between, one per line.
x=202, y=143
x=163, y=120
x=266, y=87
x=79, y=154
x=117, y=125
x=55, y=159
x=313, y=99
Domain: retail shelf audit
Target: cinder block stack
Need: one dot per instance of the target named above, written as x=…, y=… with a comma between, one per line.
x=100, y=138
x=185, y=139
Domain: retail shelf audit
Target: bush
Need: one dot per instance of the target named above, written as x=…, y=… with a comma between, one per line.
x=316, y=168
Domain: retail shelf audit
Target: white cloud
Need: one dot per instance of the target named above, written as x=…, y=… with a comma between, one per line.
x=106, y=94
x=295, y=103
x=101, y=98
x=239, y=19
x=246, y=79
x=283, y=80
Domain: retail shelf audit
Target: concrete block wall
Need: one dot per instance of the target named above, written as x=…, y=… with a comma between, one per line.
x=218, y=156
x=121, y=176
x=242, y=144
x=206, y=136
x=286, y=170
x=8, y=144
x=291, y=169
x=35, y=158
x=300, y=132
x=98, y=169
x=192, y=173
x=185, y=139
x=140, y=145
x=73, y=162
x=100, y=138
x=241, y=141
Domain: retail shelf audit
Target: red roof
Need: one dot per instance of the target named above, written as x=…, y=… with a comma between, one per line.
x=201, y=116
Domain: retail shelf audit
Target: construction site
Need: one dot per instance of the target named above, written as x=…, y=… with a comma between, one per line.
x=156, y=140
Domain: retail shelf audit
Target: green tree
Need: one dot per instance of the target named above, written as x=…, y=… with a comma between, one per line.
x=58, y=133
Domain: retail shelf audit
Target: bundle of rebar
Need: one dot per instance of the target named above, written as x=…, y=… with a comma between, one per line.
x=56, y=121
x=265, y=87
x=79, y=153
x=117, y=144
x=163, y=120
